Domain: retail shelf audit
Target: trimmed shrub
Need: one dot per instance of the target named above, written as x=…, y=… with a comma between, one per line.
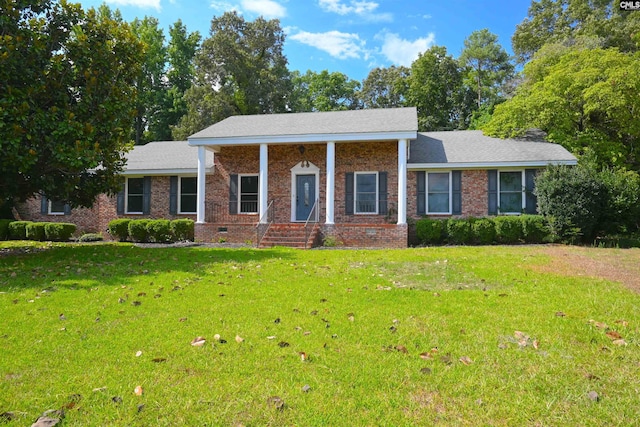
x=459, y=231
x=119, y=228
x=576, y=197
x=59, y=231
x=4, y=228
x=91, y=237
x=183, y=229
x=18, y=230
x=483, y=231
x=138, y=230
x=535, y=229
x=508, y=229
x=431, y=231
x=159, y=231
x=35, y=231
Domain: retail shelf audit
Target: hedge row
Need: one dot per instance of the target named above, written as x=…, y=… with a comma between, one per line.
x=39, y=231
x=484, y=231
x=152, y=230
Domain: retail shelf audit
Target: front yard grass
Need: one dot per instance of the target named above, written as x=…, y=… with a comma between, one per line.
x=450, y=336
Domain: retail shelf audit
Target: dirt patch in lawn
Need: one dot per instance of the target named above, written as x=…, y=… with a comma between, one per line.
x=617, y=265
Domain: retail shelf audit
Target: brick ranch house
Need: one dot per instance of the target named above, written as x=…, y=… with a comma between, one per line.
x=357, y=177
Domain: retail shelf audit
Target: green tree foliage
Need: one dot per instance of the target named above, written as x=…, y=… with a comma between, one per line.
x=587, y=100
x=488, y=66
x=66, y=85
x=385, y=87
x=436, y=89
x=323, y=91
x=150, y=85
x=240, y=69
x=585, y=201
x=601, y=22
x=181, y=51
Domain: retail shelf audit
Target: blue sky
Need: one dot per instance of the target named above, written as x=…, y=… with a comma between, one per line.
x=349, y=36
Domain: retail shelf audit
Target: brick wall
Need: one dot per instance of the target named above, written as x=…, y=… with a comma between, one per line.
x=367, y=235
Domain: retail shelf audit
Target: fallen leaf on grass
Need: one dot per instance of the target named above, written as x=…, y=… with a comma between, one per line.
x=272, y=337
x=622, y=322
x=283, y=344
x=401, y=348
x=446, y=359
x=99, y=389
x=158, y=360
x=303, y=356
x=116, y=399
x=138, y=353
x=560, y=314
x=351, y=317
x=599, y=325
x=619, y=342
x=138, y=391
x=425, y=371
x=182, y=319
x=466, y=360
x=45, y=422
x=593, y=396
x=614, y=335
x=426, y=356
x=239, y=339
x=306, y=388
x=198, y=341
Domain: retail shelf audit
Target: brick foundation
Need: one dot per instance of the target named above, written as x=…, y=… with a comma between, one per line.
x=367, y=235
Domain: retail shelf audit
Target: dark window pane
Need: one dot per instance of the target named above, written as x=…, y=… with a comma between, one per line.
x=510, y=202
x=510, y=181
x=187, y=203
x=56, y=207
x=188, y=185
x=249, y=184
x=438, y=203
x=135, y=185
x=134, y=204
x=439, y=182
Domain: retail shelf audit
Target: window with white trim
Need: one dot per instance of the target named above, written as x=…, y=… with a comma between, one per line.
x=188, y=194
x=134, y=195
x=510, y=192
x=366, y=192
x=438, y=192
x=56, y=207
x=248, y=194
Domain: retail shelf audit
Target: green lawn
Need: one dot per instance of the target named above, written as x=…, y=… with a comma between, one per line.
x=450, y=336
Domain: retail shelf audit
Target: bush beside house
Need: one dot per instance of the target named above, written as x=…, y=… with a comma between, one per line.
x=484, y=231
x=152, y=230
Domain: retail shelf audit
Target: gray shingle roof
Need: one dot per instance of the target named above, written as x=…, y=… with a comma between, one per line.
x=163, y=157
x=388, y=120
x=472, y=148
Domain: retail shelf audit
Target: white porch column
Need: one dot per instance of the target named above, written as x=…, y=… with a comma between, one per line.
x=202, y=177
x=402, y=181
x=263, y=201
x=331, y=172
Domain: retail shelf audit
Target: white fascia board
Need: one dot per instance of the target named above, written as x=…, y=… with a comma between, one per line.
x=491, y=165
x=164, y=172
x=298, y=139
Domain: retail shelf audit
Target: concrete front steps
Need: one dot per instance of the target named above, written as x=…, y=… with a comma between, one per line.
x=291, y=235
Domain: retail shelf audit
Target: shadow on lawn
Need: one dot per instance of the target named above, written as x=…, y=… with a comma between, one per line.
x=69, y=264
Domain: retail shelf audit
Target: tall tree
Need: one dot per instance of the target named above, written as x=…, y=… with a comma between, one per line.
x=385, y=87
x=151, y=84
x=436, y=90
x=180, y=75
x=66, y=89
x=488, y=66
x=240, y=69
x=567, y=21
x=324, y=91
x=587, y=100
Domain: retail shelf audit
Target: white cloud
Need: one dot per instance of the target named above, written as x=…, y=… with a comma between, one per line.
x=267, y=8
x=404, y=52
x=337, y=44
x=137, y=3
x=364, y=9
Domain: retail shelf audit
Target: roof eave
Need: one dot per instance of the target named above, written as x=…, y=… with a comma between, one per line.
x=490, y=165
x=302, y=138
x=165, y=172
